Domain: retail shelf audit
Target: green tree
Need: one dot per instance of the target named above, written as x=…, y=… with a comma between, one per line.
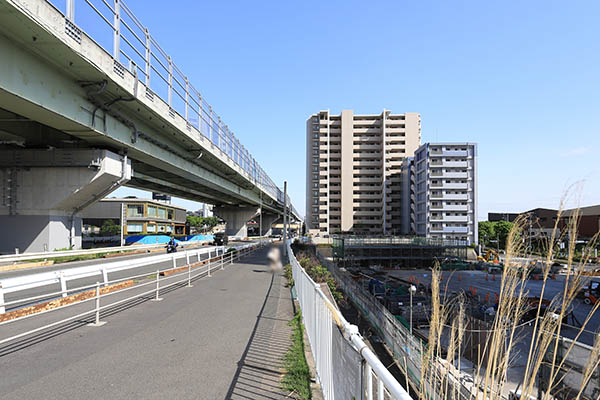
x=502, y=228
x=109, y=228
x=492, y=232
x=195, y=221
x=486, y=232
x=211, y=222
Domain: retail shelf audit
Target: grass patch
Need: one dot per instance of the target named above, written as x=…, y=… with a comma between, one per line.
x=297, y=377
x=287, y=270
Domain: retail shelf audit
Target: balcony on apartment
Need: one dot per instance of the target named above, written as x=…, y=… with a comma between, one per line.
x=454, y=196
x=455, y=185
x=455, y=153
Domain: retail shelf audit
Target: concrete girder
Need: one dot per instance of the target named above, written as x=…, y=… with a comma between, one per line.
x=47, y=90
x=46, y=190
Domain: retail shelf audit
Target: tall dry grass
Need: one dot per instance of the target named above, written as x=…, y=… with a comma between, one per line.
x=440, y=375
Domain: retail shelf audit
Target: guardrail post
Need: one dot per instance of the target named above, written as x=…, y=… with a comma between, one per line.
x=369, y=382
x=187, y=257
x=97, y=322
x=148, y=61
x=222, y=260
x=170, y=92
x=71, y=10
x=157, y=286
x=2, y=308
x=117, y=31
x=174, y=261
x=380, y=390
x=187, y=98
x=105, y=275
x=189, y=275
x=208, y=266
x=63, y=284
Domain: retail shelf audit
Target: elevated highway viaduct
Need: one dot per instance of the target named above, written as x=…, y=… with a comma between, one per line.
x=82, y=114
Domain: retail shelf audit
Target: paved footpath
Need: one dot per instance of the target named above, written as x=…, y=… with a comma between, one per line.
x=223, y=338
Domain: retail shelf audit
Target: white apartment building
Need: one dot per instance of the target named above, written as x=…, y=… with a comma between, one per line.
x=353, y=170
x=445, y=191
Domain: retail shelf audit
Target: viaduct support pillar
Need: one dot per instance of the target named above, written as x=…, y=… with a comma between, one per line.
x=42, y=193
x=236, y=219
x=267, y=223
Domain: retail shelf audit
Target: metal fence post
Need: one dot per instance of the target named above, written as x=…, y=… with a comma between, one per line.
x=222, y=260
x=189, y=275
x=174, y=261
x=187, y=257
x=2, y=307
x=148, y=61
x=187, y=98
x=63, y=285
x=71, y=10
x=97, y=322
x=117, y=31
x=157, y=286
x=369, y=383
x=170, y=92
x=209, y=268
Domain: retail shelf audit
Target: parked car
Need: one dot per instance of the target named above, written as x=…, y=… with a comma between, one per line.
x=221, y=239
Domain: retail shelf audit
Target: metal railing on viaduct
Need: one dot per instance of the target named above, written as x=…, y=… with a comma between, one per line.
x=113, y=26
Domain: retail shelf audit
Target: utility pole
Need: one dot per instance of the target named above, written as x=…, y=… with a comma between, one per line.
x=284, y=218
x=260, y=219
x=412, y=289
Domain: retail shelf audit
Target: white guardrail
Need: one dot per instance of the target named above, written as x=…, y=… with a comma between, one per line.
x=157, y=283
x=318, y=315
x=8, y=258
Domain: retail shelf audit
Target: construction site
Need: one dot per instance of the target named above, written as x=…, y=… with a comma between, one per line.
x=389, y=280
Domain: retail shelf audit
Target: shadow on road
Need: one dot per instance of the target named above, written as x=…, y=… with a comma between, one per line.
x=259, y=370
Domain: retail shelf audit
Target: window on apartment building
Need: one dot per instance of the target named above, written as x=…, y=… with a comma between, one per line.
x=150, y=228
x=316, y=193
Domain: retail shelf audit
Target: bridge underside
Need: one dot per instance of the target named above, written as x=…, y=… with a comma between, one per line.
x=55, y=93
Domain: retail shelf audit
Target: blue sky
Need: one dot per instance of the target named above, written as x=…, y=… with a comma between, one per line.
x=519, y=78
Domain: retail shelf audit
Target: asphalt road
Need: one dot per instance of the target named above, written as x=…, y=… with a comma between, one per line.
x=222, y=338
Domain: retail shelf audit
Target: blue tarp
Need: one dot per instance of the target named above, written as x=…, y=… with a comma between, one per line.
x=149, y=239
x=192, y=238
x=164, y=239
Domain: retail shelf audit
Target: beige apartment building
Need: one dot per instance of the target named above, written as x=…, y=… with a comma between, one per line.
x=354, y=168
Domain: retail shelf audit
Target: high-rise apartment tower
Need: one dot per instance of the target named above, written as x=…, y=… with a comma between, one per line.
x=354, y=167
x=445, y=191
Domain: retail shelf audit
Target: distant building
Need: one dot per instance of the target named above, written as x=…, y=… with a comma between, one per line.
x=589, y=221
x=540, y=222
x=207, y=210
x=495, y=217
x=353, y=167
x=445, y=191
x=141, y=216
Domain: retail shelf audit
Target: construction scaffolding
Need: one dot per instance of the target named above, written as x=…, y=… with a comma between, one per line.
x=395, y=252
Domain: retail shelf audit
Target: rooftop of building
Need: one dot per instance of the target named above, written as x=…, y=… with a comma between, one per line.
x=134, y=199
